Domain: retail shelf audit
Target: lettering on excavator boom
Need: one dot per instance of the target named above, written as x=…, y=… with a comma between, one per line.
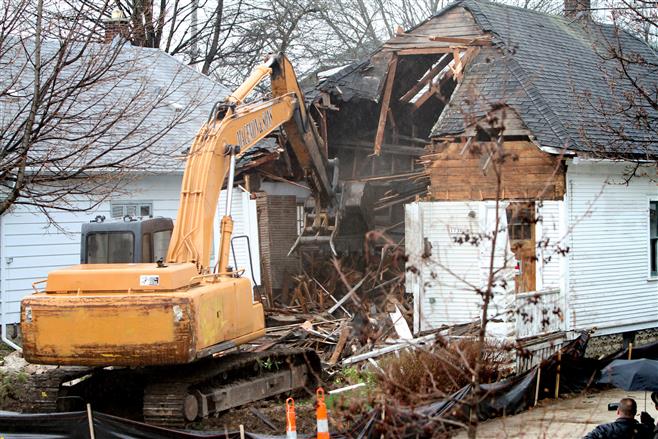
x=254, y=128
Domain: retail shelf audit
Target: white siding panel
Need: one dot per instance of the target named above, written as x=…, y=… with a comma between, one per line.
x=549, y=241
x=501, y=306
x=445, y=276
x=444, y=284
x=608, y=258
x=413, y=245
x=30, y=247
x=243, y=212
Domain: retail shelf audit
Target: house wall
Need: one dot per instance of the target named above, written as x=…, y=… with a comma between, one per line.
x=277, y=221
x=30, y=247
x=443, y=273
x=609, y=286
x=551, y=235
x=445, y=266
x=459, y=173
x=593, y=255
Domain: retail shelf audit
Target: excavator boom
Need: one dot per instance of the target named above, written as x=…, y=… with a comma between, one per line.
x=180, y=319
x=181, y=309
x=231, y=130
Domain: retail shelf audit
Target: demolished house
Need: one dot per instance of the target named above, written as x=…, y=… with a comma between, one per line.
x=500, y=90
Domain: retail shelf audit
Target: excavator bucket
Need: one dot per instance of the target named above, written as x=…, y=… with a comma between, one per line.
x=336, y=230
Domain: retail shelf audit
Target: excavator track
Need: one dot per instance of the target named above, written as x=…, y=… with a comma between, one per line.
x=181, y=395
x=46, y=387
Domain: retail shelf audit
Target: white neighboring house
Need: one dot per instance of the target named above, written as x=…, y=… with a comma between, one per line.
x=30, y=246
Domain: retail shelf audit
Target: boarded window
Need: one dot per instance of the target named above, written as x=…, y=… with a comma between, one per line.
x=653, y=237
x=521, y=231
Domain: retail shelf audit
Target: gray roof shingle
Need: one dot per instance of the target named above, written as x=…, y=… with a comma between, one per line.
x=146, y=97
x=552, y=71
x=549, y=69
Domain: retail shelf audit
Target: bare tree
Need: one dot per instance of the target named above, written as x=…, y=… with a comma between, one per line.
x=629, y=117
x=77, y=117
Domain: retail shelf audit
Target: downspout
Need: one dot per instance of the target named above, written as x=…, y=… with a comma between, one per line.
x=3, y=288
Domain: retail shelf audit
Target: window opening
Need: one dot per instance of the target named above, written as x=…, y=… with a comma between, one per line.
x=120, y=209
x=521, y=234
x=653, y=237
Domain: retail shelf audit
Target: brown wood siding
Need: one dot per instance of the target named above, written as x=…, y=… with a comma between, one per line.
x=527, y=174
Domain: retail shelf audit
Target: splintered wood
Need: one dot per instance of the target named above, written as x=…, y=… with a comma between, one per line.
x=342, y=307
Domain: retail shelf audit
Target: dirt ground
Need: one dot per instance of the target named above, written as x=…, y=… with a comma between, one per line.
x=273, y=410
x=563, y=418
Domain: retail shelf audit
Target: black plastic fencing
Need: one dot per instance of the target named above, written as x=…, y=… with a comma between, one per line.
x=506, y=397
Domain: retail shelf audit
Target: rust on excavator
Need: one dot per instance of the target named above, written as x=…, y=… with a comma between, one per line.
x=138, y=329
x=182, y=308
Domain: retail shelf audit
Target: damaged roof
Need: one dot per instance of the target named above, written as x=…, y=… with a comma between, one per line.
x=552, y=72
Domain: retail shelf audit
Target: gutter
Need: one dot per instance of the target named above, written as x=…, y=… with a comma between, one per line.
x=3, y=289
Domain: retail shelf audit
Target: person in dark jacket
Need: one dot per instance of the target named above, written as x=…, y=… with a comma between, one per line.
x=625, y=427
x=646, y=418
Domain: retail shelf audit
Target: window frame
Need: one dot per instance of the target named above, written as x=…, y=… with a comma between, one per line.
x=651, y=276
x=138, y=204
x=108, y=233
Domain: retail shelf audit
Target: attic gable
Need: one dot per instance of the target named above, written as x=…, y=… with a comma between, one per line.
x=548, y=69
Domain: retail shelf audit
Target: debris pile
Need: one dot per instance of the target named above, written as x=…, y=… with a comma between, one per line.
x=344, y=307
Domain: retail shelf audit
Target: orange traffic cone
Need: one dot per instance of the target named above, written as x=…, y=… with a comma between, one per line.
x=321, y=414
x=291, y=427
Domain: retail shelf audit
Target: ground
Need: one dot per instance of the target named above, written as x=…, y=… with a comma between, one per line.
x=568, y=417
x=563, y=418
x=19, y=385
x=273, y=410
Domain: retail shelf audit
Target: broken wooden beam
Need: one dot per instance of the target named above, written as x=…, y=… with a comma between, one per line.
x=342, y=340
x=347, y=296
x=424, y=51
x=462, y=41
x=386, y=100
x=388, y=349
x=427, y=77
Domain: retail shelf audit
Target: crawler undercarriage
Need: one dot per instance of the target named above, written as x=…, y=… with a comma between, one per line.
x=174, y=396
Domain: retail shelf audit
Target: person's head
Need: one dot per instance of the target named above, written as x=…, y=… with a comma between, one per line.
x=627, y=408
x=654, y=398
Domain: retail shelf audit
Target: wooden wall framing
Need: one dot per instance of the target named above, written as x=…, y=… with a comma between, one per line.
x=461, y=172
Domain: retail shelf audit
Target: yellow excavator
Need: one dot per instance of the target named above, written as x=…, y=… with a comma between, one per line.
x=177, y=321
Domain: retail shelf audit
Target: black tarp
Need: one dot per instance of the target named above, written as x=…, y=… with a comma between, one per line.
x=75, y=425
x=505, y=397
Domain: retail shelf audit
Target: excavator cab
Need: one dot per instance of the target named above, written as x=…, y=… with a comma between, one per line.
x=133, y=240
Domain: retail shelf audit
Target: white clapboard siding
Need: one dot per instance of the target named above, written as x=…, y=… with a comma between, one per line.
x=550, y=238
x=502, y=304
x=441, y=285
x=245, y=221
x=608, y=279
x=30, y=247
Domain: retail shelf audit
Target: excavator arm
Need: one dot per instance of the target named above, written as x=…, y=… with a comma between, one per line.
x=234, y=127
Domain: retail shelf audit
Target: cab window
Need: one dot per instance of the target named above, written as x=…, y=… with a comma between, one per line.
x=161, y=244
x=110, y=247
